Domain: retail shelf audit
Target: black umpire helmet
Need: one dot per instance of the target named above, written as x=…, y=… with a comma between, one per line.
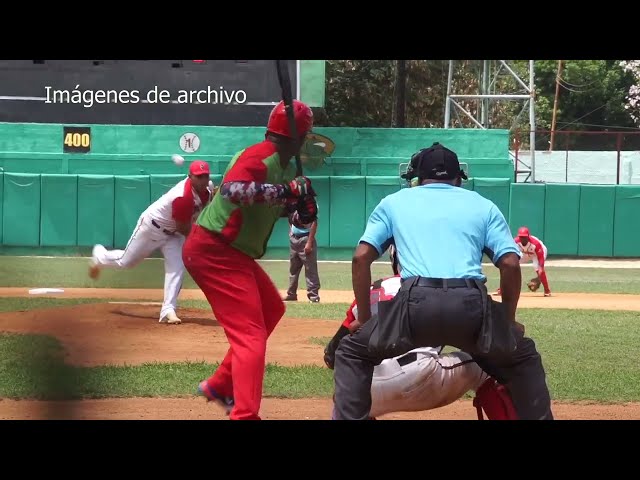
x=436, y=163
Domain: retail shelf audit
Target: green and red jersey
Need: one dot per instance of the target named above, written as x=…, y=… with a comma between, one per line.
x=247, y=225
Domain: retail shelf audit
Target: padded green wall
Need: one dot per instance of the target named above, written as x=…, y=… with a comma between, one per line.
x=347, y=216
x=21, y=209
x=626, y=225
x=595, y=230
x=95, y=210
x=527, y=207
x=132, y=196
x=67, y=210
x=1, y=203
x=59, y=210
x=561, y=222
x=495, y=189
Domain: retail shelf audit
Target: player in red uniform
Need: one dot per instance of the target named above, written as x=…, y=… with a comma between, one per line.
x=535, y=251
x=221, y=251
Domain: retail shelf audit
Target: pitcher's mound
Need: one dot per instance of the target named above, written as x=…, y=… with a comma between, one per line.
x=118, y=334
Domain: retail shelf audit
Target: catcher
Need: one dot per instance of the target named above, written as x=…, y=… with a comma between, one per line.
x=535, y=251
x=424, y=378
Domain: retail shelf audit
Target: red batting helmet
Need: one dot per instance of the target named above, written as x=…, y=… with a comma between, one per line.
x=523, y=232
x=279, y=123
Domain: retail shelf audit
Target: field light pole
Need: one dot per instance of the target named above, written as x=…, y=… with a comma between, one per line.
x=488, y=86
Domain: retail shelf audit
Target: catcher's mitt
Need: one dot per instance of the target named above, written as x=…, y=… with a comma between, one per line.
x=534, y=284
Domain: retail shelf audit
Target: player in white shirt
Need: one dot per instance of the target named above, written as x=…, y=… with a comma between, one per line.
x=424, y=378
x=164, y=225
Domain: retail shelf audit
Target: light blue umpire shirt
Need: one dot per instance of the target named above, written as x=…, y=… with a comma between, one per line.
x=440, y=231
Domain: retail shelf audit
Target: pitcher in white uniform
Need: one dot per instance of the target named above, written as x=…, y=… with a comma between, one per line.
x=163, y=225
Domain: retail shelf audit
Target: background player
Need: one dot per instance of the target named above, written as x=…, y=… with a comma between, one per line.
x=424, y=378
x=164, y=226
x=221, y=252
x=535, y=251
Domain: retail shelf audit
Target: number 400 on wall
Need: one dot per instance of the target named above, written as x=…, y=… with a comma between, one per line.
x=76, y=140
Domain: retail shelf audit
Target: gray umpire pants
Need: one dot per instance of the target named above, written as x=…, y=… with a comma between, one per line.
x=297, y=260
x=438, y=316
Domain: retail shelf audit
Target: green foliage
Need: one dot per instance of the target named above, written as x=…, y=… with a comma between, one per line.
x=592, y=96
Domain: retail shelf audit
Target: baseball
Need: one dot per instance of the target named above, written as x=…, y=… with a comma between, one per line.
x=177, y=159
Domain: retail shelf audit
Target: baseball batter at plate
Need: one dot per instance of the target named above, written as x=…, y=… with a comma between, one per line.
x=163, y=226
x=534, y=251
x=424, y=378
x=231, y=233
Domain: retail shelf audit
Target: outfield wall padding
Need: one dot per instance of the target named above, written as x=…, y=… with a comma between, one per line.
x=561, y=222
x=527, y=207
x=495, y=189
x=132, y=197
x=21, y=210
x=161, y=184
x=626, y=230
x=597, y=212
x=1, y=204
x=59, y=210
x=95, y=210
x=348, y=218
x=376, y=189
x=54, y=210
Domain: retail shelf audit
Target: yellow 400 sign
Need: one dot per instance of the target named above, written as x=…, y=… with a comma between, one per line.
x=77, y=140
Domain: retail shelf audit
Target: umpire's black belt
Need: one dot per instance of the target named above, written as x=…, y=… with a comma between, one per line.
x=445, y=282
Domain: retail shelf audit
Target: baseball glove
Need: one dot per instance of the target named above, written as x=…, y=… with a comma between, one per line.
x=534, y=284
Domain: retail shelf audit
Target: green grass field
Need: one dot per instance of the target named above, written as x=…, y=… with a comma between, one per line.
x=588, y=354
x=72, y=272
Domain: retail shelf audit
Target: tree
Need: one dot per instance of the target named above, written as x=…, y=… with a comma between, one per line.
x=633, y=95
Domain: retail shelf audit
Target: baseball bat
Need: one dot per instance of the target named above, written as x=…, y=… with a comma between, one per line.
x=287, y=97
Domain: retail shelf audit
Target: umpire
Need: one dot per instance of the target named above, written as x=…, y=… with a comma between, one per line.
x=440, y=233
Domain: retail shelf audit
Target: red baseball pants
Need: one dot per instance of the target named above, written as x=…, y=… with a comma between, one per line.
x=247, y=304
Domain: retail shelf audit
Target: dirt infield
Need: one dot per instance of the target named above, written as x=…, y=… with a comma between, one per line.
x=129, y=333
x=119, y=334
x=272, y=409
x=597, y=301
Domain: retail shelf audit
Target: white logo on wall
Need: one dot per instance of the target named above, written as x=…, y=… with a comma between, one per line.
x=189, y=142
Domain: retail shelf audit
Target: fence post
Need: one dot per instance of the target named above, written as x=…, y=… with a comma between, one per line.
x=618, y=148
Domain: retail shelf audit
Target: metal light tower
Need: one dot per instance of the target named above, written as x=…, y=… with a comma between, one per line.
x=491, y=70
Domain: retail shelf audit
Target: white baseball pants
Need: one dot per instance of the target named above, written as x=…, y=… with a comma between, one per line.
x=429, y=381
x=146, y=239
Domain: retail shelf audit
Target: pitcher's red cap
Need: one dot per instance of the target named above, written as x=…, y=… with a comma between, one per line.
x=199, y=167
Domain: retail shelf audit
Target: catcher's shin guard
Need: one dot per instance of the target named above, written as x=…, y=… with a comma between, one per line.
x=494, y=399
x=332, y=346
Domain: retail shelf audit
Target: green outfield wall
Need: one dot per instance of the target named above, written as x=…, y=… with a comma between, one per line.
x=55, y=200
x=54, y=210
